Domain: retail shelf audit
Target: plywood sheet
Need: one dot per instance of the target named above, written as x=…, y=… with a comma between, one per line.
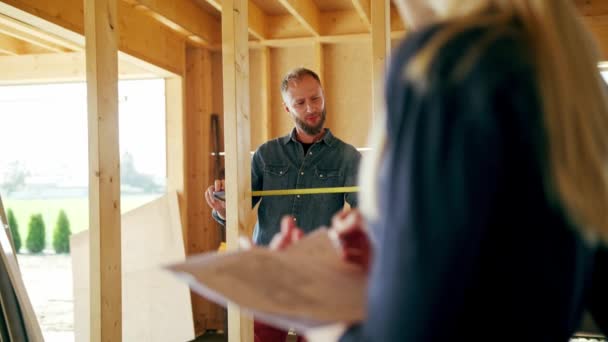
x=348, y=90
x=155, y=306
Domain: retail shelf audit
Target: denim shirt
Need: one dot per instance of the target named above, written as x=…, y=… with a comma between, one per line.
x=281, y=164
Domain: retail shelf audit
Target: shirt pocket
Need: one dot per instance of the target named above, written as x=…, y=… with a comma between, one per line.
x=276, y=177
x=326, y=178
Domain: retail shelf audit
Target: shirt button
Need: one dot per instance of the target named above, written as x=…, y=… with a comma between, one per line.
x=302, y=173
x=310, y=153
x=298, y=196
x=280, y=172
x=295, y=219
x=321, y=176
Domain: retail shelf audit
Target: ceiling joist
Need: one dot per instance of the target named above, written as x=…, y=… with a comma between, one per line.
x=306, y=12
x=257, y=19
x=183, y=16
x=363, y=10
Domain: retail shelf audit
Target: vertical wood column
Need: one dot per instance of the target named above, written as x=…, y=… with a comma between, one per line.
x=203, y=233
x=176, y=146
x=381, y=42
x=266, y=95
x=319, y=61
x=235, y=54
x=104, y=170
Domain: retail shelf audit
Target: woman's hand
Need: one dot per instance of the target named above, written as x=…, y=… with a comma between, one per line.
x=351, y=230
x=289, y=234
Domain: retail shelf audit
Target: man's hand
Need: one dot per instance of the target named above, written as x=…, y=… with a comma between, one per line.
x=218, y=205
x=352, y=233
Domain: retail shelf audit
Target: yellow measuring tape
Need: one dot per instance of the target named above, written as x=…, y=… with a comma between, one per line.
x=307, y=191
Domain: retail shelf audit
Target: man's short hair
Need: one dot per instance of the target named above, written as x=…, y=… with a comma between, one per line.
x=297, y=74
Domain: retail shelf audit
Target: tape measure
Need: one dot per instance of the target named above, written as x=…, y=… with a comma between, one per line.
x=221, y=195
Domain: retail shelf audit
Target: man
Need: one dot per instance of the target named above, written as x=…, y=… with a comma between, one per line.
x=309, y=157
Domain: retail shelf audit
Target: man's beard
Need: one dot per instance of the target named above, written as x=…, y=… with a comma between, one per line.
x=309, y=129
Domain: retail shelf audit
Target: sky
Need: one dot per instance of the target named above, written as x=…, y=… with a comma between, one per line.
x=44, y=127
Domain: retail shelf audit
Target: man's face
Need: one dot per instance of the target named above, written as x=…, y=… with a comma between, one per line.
x=305, y=102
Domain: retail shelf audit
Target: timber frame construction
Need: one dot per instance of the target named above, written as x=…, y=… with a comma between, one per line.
x=216, y=56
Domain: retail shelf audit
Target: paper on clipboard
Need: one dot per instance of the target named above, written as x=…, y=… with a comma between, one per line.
x=306, y=286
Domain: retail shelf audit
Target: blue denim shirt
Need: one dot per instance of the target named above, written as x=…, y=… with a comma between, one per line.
x=281, y=164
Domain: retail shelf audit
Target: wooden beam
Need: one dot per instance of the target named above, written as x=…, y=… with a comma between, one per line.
x=235, y=56
x=267, y=90
x=306, y=12
x=140, y=35
x=20, y=47
x=203, y=234
x=319, y=61
x=58, y=67
x=363, y=9
x=257, y=18
x=307, y=41
x=104, y=170
x=11, y=27
x=184, y=16
x=333, y=23
x=380, y=50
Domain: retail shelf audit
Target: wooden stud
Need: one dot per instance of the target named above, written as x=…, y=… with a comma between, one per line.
x=319, y=62
x=235, y=55
x=306, y=12
x=380, y=50
x=363, y=9
x=104, y=170
x=267, y=88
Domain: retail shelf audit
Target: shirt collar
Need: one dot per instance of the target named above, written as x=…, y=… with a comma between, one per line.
x=328, y=138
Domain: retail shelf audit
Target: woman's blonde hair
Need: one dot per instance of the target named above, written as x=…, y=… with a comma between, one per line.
x=572, y=92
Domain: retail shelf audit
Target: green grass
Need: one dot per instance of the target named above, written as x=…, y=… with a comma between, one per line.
x=77, y=210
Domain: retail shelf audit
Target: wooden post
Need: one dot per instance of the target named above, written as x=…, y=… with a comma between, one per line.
x=175, y=147
x=381, y=42
x=235, y=54
x=266, y=94
x=319, y=61
x=203, y=234
x=104, y=170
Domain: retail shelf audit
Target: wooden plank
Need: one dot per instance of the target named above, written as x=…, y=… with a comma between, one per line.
x=16, y=46
x=22, y=31
x=140, y=35
x=256, y=17
x=58, y=67
x=363, y=9
x=267, y=89
x=183, y=16
x=104, y=170
x=203, y=234
x=306, y=12
x=235, y=55
x=176, y=145
x=319, y=62
x=332, y=23
x=380, y=50
x=156, y=306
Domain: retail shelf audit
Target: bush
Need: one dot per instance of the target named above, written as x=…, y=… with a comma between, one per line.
x=12, y=223
x=61, y=234
x=36, y=239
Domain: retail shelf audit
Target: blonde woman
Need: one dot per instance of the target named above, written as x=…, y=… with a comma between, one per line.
x=488, y=193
